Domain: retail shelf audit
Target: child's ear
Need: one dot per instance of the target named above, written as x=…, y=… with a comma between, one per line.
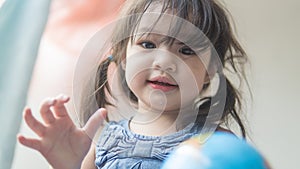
x=123, y=64
x=211, y=85
x=206, y=79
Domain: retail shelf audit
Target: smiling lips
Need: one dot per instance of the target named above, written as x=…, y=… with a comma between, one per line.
x=162, y=83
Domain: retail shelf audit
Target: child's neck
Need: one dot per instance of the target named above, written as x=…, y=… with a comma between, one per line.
x=158, y=124
x=153, y=126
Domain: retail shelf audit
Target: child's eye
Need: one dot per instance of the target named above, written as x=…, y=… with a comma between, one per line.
x=147, y=45
x=186, y=51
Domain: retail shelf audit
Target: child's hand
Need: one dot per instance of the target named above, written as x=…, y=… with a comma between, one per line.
x=61, y=142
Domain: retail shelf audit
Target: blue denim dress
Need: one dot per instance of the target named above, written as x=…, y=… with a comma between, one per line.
x=119, y=148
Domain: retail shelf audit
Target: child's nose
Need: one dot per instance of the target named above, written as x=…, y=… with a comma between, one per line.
x=165, y=61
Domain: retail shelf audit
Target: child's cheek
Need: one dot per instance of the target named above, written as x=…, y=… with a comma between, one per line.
x=137, y=64
x=137, y=68
x=188, y=83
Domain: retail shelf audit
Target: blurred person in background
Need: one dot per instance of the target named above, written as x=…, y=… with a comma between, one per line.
x=70, y=25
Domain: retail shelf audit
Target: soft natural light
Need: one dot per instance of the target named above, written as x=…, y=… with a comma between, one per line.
x=1, y=3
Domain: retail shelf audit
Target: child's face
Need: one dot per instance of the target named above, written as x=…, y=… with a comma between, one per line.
x=164, y=77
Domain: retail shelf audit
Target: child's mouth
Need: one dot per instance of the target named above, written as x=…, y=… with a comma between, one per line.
x=162, y=84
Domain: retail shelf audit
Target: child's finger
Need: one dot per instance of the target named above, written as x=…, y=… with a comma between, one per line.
x=95, y=122
x=45, y=111
x=33, y=123
x=28, y=142
x=59, y=107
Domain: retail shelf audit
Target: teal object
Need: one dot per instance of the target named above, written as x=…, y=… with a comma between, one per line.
x=221, y=151
x=22, y=23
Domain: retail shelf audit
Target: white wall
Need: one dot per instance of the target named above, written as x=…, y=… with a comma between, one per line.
x=269, y=30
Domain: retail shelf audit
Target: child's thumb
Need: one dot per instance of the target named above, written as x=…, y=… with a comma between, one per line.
x=95, y=121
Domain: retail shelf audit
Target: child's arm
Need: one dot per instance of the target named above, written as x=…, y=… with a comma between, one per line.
x=89, y=160
x=62, y=144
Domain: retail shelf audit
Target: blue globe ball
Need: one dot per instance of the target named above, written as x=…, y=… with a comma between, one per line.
x=221, y=151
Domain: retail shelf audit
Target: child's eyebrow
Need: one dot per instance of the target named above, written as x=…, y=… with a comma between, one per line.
x=179, y=42
x=148, y=31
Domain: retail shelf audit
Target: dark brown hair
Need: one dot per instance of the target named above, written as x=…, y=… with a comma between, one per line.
x=210, y=17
